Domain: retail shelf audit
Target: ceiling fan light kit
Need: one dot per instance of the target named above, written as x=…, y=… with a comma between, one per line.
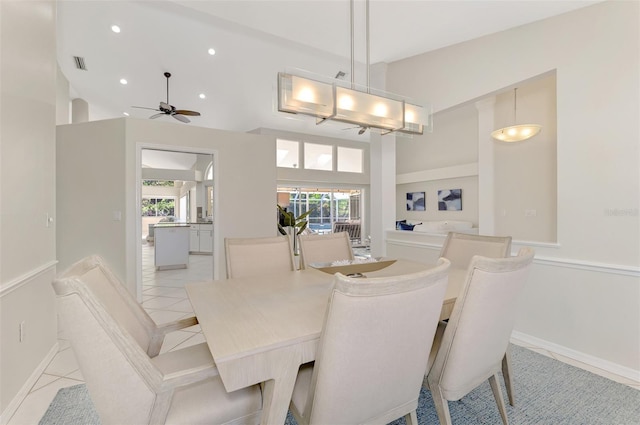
x=518, y=132
x=336, y=100
x=167, y=109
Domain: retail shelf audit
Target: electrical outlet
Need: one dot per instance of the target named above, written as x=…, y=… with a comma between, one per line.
x=21, y=331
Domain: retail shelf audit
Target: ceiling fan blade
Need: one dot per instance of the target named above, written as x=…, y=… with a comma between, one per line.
x=186, y=112
x=153, y=117
x=144, y=107
x=181, y=118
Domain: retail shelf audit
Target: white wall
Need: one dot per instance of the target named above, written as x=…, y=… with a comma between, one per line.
x=584, y=292
x=27, y=177
x=245, y=196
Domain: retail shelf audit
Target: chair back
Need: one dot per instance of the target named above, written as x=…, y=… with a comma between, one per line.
x=374, y=347
x=113, y=295
x=256, y=256
x=324, y=248
x=479, y=329
x=459, y=248
x=112, y=362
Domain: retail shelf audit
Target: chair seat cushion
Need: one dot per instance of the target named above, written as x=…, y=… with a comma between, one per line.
x=207, y=402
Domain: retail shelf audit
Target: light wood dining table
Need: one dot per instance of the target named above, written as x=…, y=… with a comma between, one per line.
x=261, y=329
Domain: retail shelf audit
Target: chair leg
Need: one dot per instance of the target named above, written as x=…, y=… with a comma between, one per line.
x=506, y=373
x=442, y=405
x=411, y=418
x=497, y=393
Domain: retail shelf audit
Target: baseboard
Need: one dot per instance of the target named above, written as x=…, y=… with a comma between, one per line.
x=29, y=383
x=625, y=372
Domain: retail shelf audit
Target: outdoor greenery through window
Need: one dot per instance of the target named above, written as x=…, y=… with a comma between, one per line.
x=157, y=206
x=328, y=206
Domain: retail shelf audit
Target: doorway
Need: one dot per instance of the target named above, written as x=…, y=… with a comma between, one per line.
x=173, y=189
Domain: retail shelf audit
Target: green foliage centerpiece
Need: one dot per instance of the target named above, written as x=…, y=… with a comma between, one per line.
x=289, y=224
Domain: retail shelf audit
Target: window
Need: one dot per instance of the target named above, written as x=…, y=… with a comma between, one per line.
x=287, y=151
x=208, y=175
x=328, y=206
x=318, y=157
x=158, y=207
x=349, y=160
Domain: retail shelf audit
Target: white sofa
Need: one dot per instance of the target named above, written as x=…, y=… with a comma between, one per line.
x=443, y=226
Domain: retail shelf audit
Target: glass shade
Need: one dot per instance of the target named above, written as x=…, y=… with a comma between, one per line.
x=300, y=95
x=516, y=133
x=330, y=100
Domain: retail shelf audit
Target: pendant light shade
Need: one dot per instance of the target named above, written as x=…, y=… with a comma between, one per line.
x=518, y=132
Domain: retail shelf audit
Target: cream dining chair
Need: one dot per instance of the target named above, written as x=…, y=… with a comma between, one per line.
x=324, y=248
x=459, y=248
x=470, y=348
x=255, y=256
x=373, y=350
x=127, y=385
x=122, y=306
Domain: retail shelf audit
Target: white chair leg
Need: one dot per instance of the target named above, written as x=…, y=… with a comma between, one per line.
x=506, y=373
x=442, y=405
x=411, y=418
x=497, y=393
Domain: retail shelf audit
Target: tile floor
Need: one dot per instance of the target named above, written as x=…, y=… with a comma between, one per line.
x=165, y=299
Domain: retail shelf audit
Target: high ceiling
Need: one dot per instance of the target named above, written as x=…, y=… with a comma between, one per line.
x=254, y=40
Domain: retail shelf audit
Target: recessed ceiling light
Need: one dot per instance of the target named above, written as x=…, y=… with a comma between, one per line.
x=123, y=81
x=202, y=96
x=211, y=52
x=126, y=114
x=115, y=28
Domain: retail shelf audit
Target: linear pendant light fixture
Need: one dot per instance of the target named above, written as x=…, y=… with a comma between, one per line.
x=518, y=132
x=335, y=100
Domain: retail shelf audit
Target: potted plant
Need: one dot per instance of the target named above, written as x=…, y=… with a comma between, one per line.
x=289, y=224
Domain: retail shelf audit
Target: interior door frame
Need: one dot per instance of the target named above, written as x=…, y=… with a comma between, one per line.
x=138, y=224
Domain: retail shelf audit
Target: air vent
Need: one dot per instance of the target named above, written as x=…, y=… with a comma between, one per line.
x=80, y=63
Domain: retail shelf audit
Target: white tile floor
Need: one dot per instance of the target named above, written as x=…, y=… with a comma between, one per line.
x=165, y=300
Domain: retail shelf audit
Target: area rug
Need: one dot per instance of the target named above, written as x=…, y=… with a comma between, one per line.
x=548, y=392
x=71, y=406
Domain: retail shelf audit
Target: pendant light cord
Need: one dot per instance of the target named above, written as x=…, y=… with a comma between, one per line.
x=515, y=103
x=353, y=81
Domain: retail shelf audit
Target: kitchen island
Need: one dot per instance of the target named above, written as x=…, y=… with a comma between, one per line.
x=171, y=245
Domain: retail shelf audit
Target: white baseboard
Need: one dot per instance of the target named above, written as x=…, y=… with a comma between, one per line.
x=26, y=388
x=625, y=372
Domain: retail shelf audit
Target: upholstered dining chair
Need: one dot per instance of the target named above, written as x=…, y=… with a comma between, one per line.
x=324, y=248
x=127, y=385
x=470, y=348
x=255, y=256
x=459, y=248
x=123, y=306
x=373, y=349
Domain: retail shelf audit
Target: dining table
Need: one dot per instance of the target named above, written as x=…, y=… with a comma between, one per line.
x=261, y=329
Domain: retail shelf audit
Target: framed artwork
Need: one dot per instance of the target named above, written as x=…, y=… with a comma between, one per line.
x=415, y=201
x=450, y=200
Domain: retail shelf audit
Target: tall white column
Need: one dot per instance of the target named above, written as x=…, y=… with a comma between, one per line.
x=383, y=190
x=486, y=186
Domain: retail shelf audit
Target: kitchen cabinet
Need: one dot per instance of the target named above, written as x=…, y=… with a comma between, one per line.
x=201, y=239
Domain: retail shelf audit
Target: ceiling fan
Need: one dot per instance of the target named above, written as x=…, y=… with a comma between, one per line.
x=362, y=128
x=166, y=109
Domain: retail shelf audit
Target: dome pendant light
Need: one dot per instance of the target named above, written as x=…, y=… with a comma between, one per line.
x=518, y=132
